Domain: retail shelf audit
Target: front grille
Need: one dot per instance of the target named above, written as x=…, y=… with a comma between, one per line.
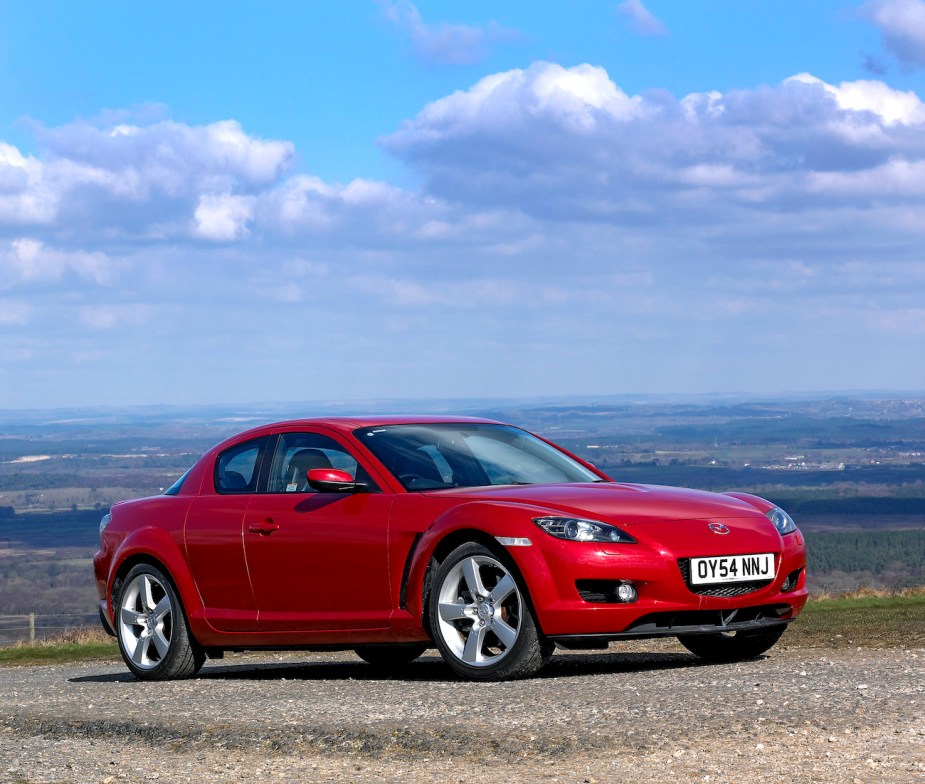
x=722, y=590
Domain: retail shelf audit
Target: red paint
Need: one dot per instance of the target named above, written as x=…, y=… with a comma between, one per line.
x=292, y=568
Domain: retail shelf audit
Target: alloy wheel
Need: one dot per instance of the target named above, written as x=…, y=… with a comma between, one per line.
x=480, y=611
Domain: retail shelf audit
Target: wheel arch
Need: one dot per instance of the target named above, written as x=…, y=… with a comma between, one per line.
x=445, y=546
x=155, y=547
x=481, y=523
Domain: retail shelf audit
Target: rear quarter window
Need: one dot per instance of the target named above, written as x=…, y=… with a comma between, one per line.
x=237, y=468
x=177, y=486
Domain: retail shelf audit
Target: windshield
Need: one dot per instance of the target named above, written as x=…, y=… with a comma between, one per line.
x=433, y=457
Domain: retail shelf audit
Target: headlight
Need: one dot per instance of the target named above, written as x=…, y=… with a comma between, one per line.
x=782, y=521
x=577, y=529
x=104, y=522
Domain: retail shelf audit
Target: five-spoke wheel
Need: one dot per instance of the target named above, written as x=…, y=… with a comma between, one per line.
x=480, y=618
x=151, y=628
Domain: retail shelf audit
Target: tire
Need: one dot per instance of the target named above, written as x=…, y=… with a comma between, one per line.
x=732, y=646
x=151, y=628
x=391, y=657
x=481, y=620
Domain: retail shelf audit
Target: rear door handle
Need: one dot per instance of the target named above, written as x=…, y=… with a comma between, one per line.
x=264, y=527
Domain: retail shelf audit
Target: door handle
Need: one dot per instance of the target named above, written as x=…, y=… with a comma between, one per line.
x=264, y=527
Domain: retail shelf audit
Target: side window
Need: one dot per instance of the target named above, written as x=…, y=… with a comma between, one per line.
x=297, y=453
x=237, y=468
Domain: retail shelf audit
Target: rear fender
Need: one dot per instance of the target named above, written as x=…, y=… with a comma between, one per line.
x=156, y=546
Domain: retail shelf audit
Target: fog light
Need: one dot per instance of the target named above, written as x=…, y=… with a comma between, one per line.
x=792, y=579
x=626, y=593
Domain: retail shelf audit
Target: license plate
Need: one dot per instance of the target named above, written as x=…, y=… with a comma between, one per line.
x=732, y=569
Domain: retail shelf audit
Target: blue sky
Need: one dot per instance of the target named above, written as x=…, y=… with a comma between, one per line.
x=228, y=202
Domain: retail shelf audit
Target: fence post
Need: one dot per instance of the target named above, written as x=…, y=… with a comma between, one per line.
x=32, y=627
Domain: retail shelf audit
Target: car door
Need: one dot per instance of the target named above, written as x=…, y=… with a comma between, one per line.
x=317, y=561
x=212, y=535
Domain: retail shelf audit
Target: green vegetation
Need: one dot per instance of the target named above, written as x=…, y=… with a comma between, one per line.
x=79, y=645
x=868, y=619
x=877, y=551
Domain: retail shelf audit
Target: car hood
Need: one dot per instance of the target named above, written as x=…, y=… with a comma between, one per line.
x=628, y=503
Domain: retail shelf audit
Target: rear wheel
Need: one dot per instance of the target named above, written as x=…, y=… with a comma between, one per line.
x=732, y=646
x=390, y=657
x=154, y=639
x=481, y=621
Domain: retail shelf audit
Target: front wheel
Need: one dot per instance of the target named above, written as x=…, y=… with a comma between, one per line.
x=151, y=628
x=732, y=646
x=481, y=621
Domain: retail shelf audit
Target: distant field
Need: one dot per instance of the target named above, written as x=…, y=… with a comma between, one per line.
x=851, y=470
x=51, y=529
x=721, y=477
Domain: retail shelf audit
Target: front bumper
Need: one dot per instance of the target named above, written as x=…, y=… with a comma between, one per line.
x=559, y=575
x=672, y=624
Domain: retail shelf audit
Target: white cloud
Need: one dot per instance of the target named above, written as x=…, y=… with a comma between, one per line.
x=26, y=260
x=902, y=23
x=166, y=156
x=24, y=198
x=567, y=143
x=641, y=19
x=521, y=150
x=223, y=217
x=557, y=215
x=892, y=106
x=124, y=180
x=442, y=43
x=545, y=96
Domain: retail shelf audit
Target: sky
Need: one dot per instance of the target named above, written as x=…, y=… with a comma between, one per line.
x=219, y=202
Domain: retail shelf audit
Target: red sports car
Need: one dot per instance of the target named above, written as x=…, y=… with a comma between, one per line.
x=391, y=535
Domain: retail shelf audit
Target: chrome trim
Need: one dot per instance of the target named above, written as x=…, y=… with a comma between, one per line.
x=514, y=541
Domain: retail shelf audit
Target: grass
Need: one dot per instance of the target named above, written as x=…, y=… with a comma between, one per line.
x=70, y=646
x=866, y=618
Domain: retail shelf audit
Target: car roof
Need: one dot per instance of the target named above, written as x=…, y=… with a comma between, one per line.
x=347, y=424
x=353, y=422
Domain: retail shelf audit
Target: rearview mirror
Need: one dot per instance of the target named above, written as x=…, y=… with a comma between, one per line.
x=333, y=480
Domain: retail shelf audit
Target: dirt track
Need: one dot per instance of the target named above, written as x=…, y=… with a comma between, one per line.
x=806, y=715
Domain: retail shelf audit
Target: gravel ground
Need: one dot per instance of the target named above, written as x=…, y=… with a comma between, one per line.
x=646, y=713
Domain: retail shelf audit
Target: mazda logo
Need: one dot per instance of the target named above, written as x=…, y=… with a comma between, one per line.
x=718, y=528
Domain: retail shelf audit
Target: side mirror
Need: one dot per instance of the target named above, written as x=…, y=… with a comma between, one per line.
x=333, y=480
